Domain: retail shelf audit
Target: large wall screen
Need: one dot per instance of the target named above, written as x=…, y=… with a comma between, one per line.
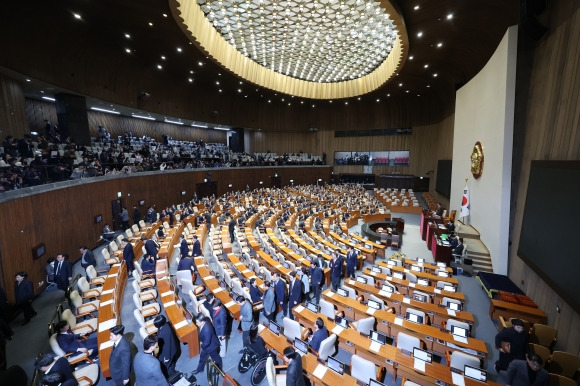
x=372, y=158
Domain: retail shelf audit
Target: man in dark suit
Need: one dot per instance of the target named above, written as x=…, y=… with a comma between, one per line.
x=146, y=366
x=280, y=290
x=168, y=345
x=48, y=364
x=208, y=342
x=136, y=215
x=183, y=247
x=57, y=379
x=120, y=359
x=232, y=228
x=220, y=324
x=71, y=343
x=196, y=250
x=128, y=255
x=527, y=372
x=87, y=257
x=316, y=278
x=320, y=333
x=62, y=271
x=186, y=264
x=294, y=293
x=23, y=294
x=336, y=269
x=350, y=262
x=151, y=246
x=294, y=373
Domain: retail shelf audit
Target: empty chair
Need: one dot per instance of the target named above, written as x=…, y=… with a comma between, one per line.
x=143, y=283
x=378, y=300
x=370, y=279
x=327, y=309
x=273, y=378
x=293, y=329
x=452, y=322
x=365, y=325
x=327, y=347
x=148, y=325
x=109, y=260
x=87, y=375
x=541, y=351
x=94, y=277
x=387, y=284
x=411, y=277
x=145, y=296
x=458, y=359
x=266, y=273
x=420, y=316
x=558, y=380
x=423, y=295
x=564, y=364
x=543, y=335
x=149, y=310
x=83, y=309
x=351, y=292
x=407, y=342
x=363, y=369
x=395, y=242
x=88, y=292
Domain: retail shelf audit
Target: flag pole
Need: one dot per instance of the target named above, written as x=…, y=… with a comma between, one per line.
x=463, y=217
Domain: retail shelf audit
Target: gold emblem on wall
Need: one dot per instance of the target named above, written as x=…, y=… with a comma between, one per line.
x=477, y=160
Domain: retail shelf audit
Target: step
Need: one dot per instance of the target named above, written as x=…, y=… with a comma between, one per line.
x=466, y=231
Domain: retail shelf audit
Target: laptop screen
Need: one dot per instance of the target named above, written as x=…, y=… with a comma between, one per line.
x=475, y=373
x=377, y=270
x=416, y=268
x=374, y=304
x=423, y=282
x=442, y=274
x=301, y=346
x=422, y=355
x=448, y=288
x=378, y=337
x=368, y=246
x=419, y=298
x=361, y=279
x=342, y=292
x=274, y=328
x=335, y=365
x=398, y=275
x=454, y=306
x=414, y=318
x=391, y=262
x=387, y=288
x=459, y=331
x=313, y=307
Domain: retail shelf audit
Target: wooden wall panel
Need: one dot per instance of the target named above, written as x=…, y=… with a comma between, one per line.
x=12, y=111
x=547, y=126
x=63, y=218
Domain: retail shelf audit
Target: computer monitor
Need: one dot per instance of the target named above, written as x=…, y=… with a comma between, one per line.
x=387, y=288
x=423, y=282
x=423, y=355
x=368, y=246
x=375, y=383
x=398, y=275
x=420, y=260
x=342, y=322
x=414, y=318
x=342, y=292
x=335, y=365
x=374, y=304
x=459, y=331
x=285, y=265
x=442, y=274
x=420, y=298
x=274, y=328
x=416, y=268
x=441, y=265
x=391, y=263
x=378, y=337
x=448, y=288
x=362, y=280
x=376, y=270
x=454, y=306
x=313, y=307
x=301, y=346
x=475, y=373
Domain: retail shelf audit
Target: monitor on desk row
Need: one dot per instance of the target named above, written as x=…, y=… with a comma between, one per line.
x=454, y=306
x=420, y=260
x=391, y=262
x=274, y=328
x=374, y=304
x=335, y=365
x=448, y=288
x=475, y=373
x=423, y=355
x=459, y=331
x=378, y=337
x=368, y=246
x=377, y=270
x=301, y=346
x=375, y=383
x=285, y=265
x=362, y=280
x=420, y=298
x=313, y=307
x=398, y=275
x=423, y=282
x=342, y=322
x=441, y=265
x=416, y=268
x=442, y=274
x=387, y=288
x=342, y=292
x=414, y=318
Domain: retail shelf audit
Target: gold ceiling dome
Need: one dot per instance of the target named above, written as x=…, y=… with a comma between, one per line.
x=319, y=49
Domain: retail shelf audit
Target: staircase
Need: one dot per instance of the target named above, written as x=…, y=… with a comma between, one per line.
x=476, y=249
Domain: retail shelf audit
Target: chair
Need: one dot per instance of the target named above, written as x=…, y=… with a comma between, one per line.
x=564, y=364
x=273, y=378
x=94, y=277
x=87, y=375
x=148, y=325
x=395, y=242
x=145, y=296
x=458, y=359
x=72, y=358
x=370, y=279
x=327, y=309
x=378, y=300
x=148, y=310
x=407, y=342
x=139, y=269
x=452, y=322
x=108, y=259
x=425, y=295
x=543, y=335
x=293, y=329
x=365, y=325
x=194, y=303
x=411, y=277
x=541, y=351
x=83, y=309
x=445, y=302
x=327, y=347
x=558, y=380
x=88, y=292
x=363, y=369
x=386, y=283
x=85, y=327
x=419, y=314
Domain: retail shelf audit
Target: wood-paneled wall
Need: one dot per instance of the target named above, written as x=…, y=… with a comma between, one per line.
x=12, y=113
x=63, y=219
x=547, y=123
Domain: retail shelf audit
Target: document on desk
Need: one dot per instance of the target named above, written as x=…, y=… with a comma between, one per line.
x=337, y=330
x=107, y=291
x=389, y=278
x=330, y=294
x=319, y=371
x=437, y=290
x=398, y=321
x=169, y=304
x=167, y=293
x=459, y=338
x=106, y=344
x=373, y=273
x=106, y=325
x=106, y=303
x=385, y=293
x=299, y=309
x=371, y=311
x=230, y=304
x=407, y=300
x=181, y=324
x=376, y=347
x=412, y=285
x=406, y=270
x=418, y=364
x=457, y=379
x=218, y=289
x=351, y=282
x=208, y=278
x=451, y=312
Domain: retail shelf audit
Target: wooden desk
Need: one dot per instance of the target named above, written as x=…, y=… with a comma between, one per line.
x=213, y=285
x=508, y=310
x=370, y=254
x=423, y=275
x=379, y=248
x=441, y=252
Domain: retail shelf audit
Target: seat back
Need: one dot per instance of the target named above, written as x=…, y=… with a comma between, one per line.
x=69, y=317
x=270, y=371
x=420, y=314
x=87, y=375
x=194, y=303
x=76, y=299
x=91, y=272
x=55, y=347
x=543, y=335
x=541, y=351
x=327, y=347
x=452, y=322
x=362, y=369
x=292, y=329
x=237, y=286
x=378, y=300
x=565, y=364
x=407, y=342
x=370, y=279
x=558, y=380
x=327, y=309
x=135, y=228
x=365, y=325
x=137, y=301
x=83, y=285
x=445, y=301
x=426, y=295
x=142, y=224
x=139, y=317
x=459, y=359
x=411, y=277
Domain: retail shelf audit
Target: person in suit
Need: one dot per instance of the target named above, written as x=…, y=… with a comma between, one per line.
x=87, y=257
x=186, y=264
x=57, y=379
x=146, y=366
x=148, y=265
x=350, y=262
x=246, y=318
x=49, y=364
x=255, y=293
x=518, y=340
x=183, y=247
x=294, y=373
x=62, y=271
x=527, y=372
x=71, y=343
x=168, y=345
x=320, y=333
x=294, y=293
x=232, y=228
x=220, y=323
x=120, y=359
x=151, y=246
x=269, y=301
x=305, y=278
x=208, y=342
x=125, y=218
x=280, y=290
x=458, y=250
x=335, y=269
x=316, y=278
x=23, y=295
x=136, y=215
x=128, y=255
x=196, y=249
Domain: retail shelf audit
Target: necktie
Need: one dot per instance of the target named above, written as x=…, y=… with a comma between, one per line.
x=58, y=267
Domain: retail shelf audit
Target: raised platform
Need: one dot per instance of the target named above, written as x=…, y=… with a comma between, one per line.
x=476, y=249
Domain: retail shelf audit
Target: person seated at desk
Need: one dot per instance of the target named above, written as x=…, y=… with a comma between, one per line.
x=439, y=211
x=453, y=240
x=108, y=234
x=450, y=226
x=256, y=342
x=148, y=265
x=320, y=333
x=458, y=250
x=255, y=293
x=71, y=343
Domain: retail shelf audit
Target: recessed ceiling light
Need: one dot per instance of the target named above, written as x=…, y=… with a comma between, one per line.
x=150, y=24
x=159, y=66
x=407, y=91
x=330, y=101
x=428, y=85
x=358, y=98
x=419, y=34
x=378, y=100
x=416, y=7
x=426, y=66
x=313, y=106
x=178, y=49
x=346, y=103
x=400, y=84
x=200, y=63
x=77, y=16
x=217, y=82
x=435, y=75
x=450, y=16
x=191, y=71
x=190, y=80
x=162, y=57
x=410, y=58
x=164, y=15
x=269, y=101
x=128, y=50
x=241, y=82
x=28, y=80
x=220, y=90
x=239, y=90
x=128, y=36
x=439, y=45
x=289, y=104
x=301, y=102
x=388, y=95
